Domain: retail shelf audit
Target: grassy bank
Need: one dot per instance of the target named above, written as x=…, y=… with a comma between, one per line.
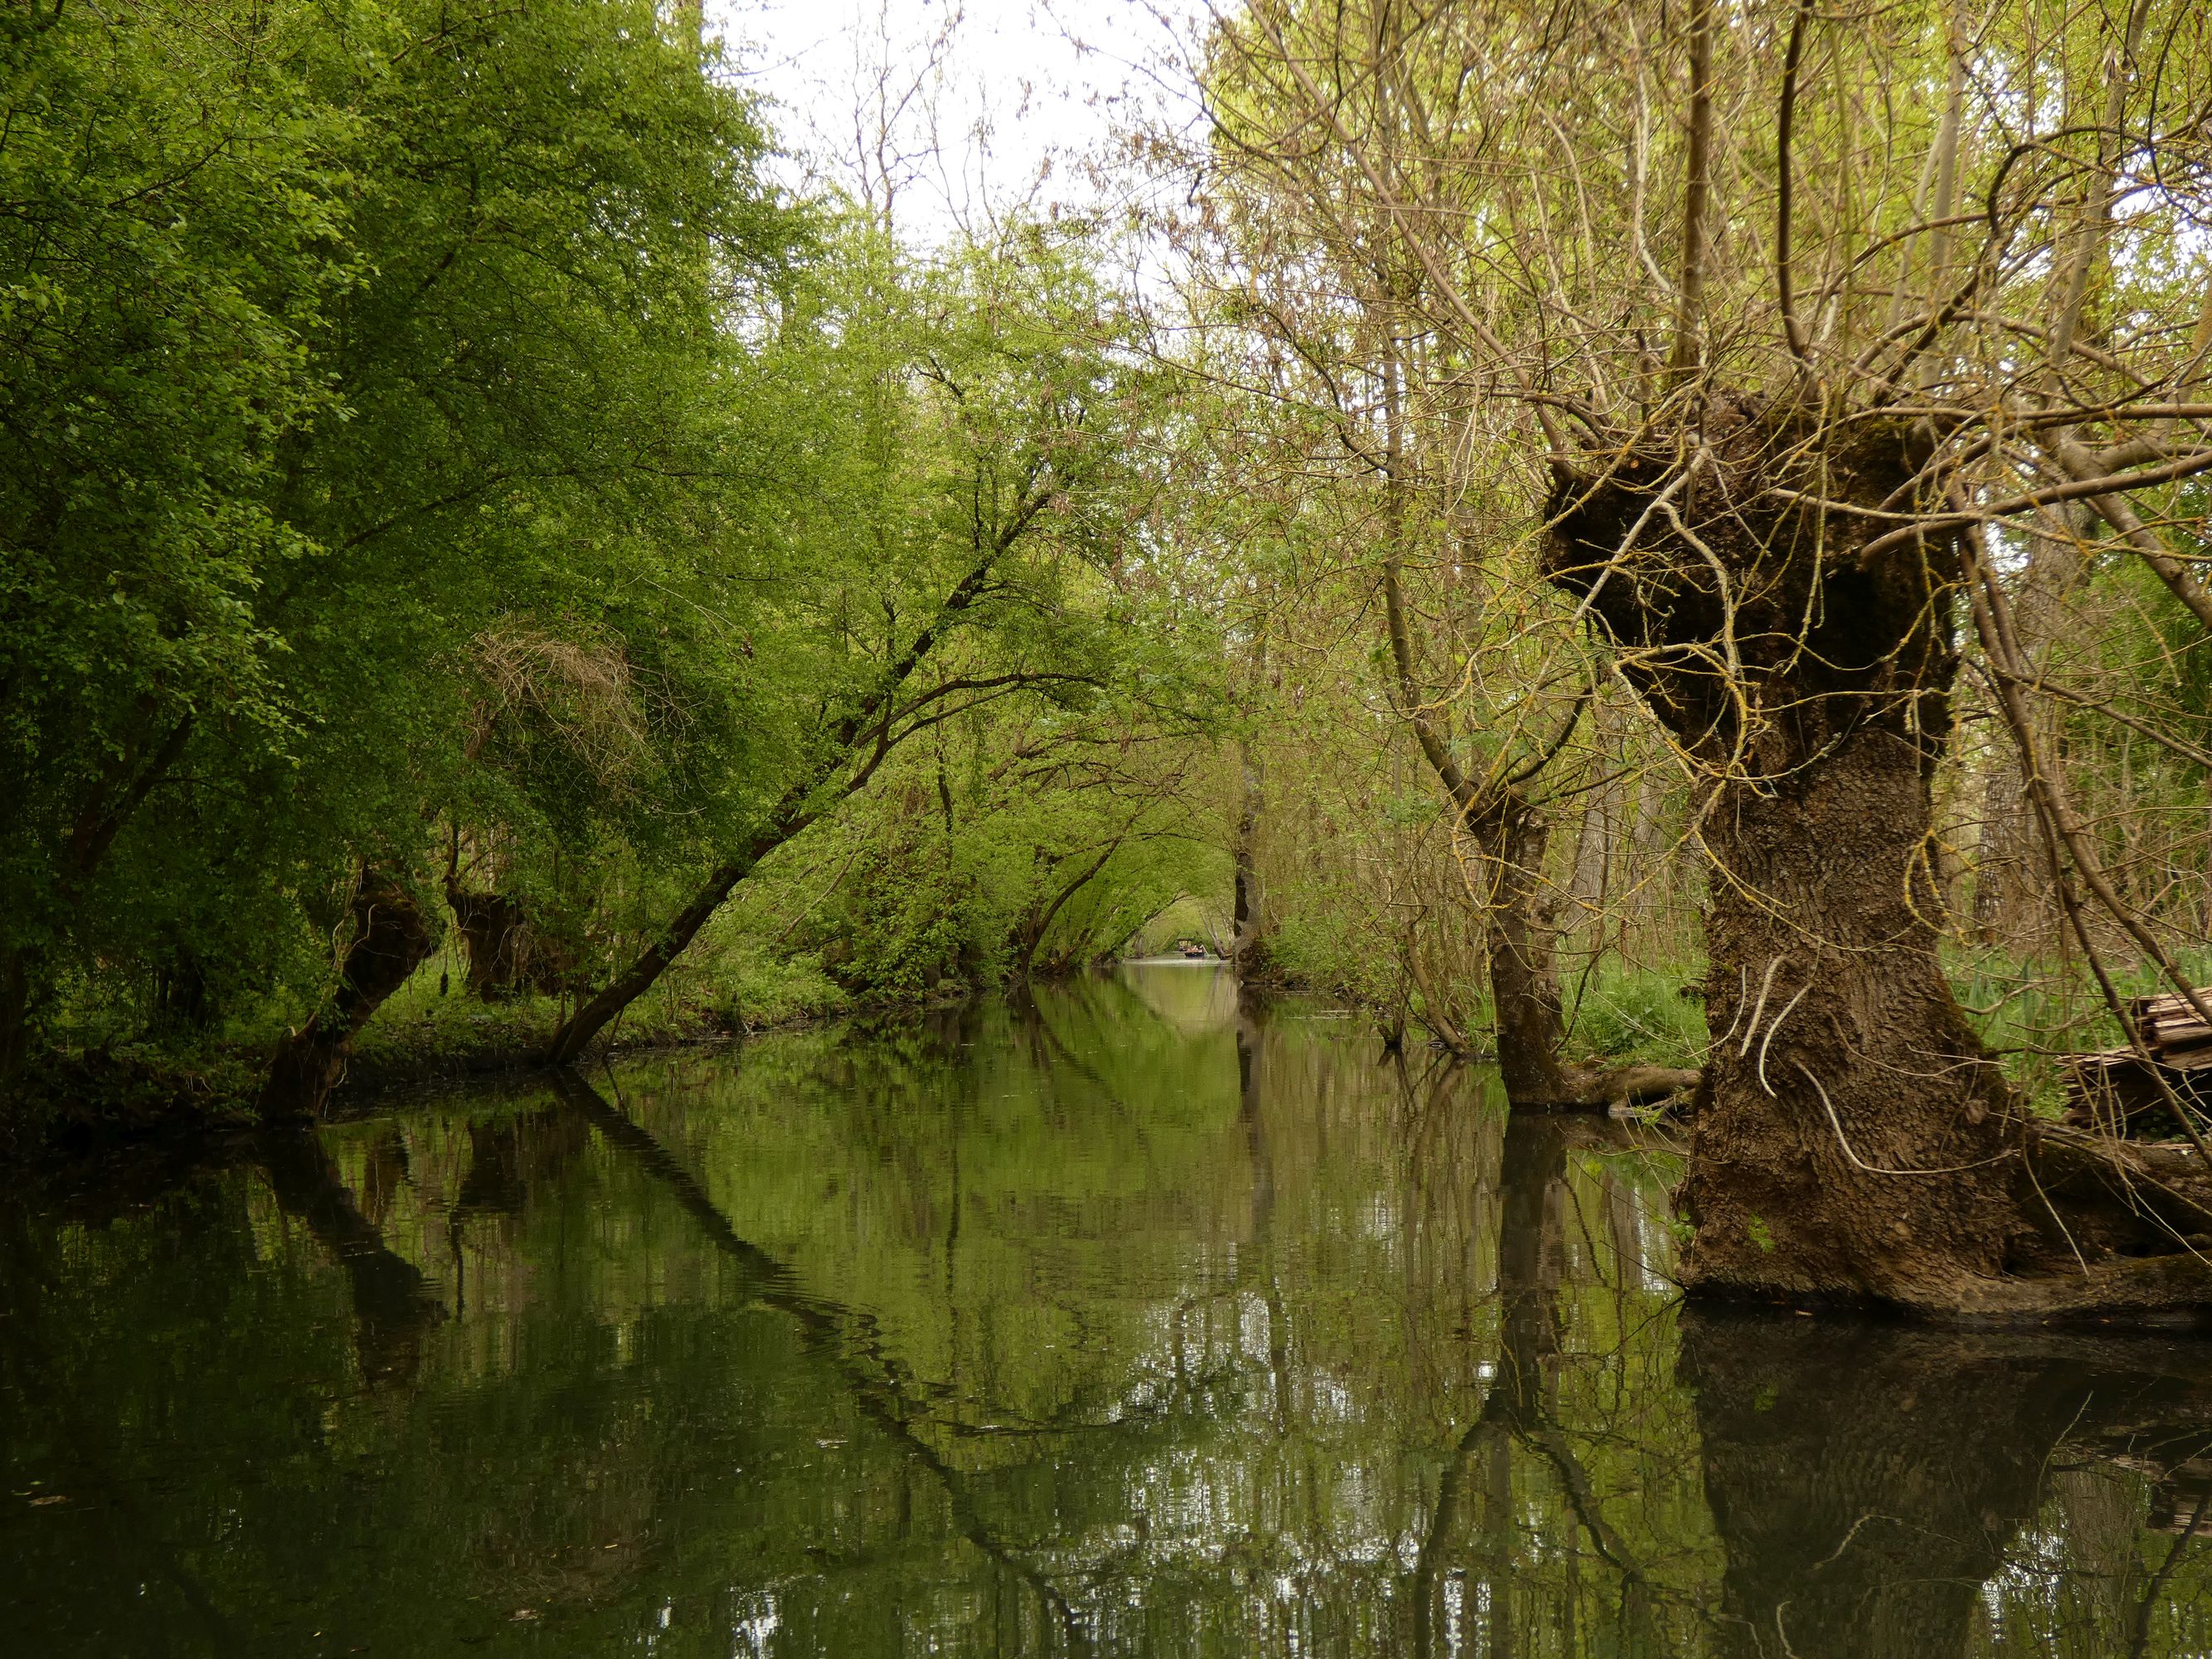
x=111, y=1079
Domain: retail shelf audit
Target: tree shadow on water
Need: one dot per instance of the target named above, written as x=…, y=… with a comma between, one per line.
x=1868, y=1481
x=394, y=1304
x=1875, y=1490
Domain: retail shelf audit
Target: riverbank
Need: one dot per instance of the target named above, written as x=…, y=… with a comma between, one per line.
x=113, y=1085
x=111, y=1092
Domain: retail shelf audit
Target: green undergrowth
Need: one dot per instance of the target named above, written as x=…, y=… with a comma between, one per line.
x=432, y=1024
x=1655, y=1015
x=2035, y=1012
x=110, y=1078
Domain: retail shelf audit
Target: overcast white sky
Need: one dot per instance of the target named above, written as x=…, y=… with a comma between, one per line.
x=1021, y=93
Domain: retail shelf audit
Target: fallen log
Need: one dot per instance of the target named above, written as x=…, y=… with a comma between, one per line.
x=2163, y=1190
x=1602, y=1088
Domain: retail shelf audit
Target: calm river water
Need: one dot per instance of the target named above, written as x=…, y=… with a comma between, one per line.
x=1107, y=1324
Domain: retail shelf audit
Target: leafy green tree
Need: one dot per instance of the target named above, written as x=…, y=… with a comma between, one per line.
x=173, y=222
x=346, y=351
x=981, y=538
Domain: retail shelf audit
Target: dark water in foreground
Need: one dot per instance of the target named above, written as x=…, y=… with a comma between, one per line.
x=1112, y=1324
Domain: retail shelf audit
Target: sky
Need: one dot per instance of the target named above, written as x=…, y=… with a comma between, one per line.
x=992, y=103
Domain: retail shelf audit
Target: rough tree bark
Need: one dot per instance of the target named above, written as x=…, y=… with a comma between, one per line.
x=1853, y=1138
x=505, y=955
x=390, y=940
x=1524, y=976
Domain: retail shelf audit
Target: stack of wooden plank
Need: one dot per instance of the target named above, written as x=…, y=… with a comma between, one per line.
x=2173, y=1031
x=2119, y=1086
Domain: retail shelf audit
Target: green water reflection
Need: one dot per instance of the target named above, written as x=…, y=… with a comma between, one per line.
x=1113, y=1322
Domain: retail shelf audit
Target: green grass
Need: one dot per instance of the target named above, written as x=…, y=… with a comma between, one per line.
x=2033, y=1012
x=1653, y=1014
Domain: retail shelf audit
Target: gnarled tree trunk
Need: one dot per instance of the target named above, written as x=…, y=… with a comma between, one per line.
x=391, y=940
x=507, y=956
x=1845, y=1053
x=494, y=937
x=1854, y=1140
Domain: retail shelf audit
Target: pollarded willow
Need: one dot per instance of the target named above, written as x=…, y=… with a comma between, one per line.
x=1786, y=327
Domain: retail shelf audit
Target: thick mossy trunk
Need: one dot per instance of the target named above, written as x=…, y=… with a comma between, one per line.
x=507, y=956
x=1853, y=1138
x=1843, y=1059
x=391, y=940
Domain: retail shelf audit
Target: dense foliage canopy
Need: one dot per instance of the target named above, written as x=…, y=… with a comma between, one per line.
x=436, y=457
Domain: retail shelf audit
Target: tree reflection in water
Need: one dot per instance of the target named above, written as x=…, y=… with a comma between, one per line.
x=1873, y=1483
x=393, y=1301
x=1126, y=1320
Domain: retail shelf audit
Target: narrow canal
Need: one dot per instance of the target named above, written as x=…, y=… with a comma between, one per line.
x=1110, y=1321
